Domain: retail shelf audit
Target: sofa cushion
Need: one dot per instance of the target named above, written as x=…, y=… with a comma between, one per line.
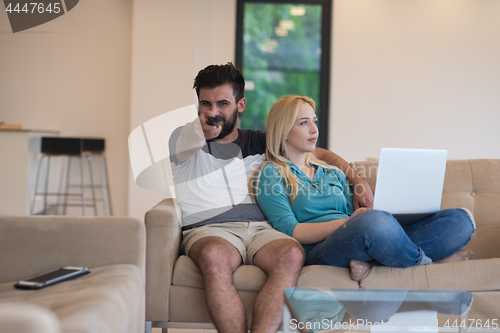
x=108, y=299
x=471, y=275
x=27, y=318
x=251, y=278
x=485, y=306
x=475, y=184
x=317, y=276
x=245, y=278
x=34, y=244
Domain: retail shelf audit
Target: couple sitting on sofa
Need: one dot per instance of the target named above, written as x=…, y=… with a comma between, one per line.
x=212, y=161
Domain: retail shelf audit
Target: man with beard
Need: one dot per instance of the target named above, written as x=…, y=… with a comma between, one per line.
x=212, y=161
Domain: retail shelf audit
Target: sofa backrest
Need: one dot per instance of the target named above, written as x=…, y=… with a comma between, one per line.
x=37, y=244
x=474, y=184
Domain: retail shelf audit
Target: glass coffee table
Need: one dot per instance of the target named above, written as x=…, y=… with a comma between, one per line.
x=321, y=310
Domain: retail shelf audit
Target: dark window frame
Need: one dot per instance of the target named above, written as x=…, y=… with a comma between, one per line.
x=326, y=39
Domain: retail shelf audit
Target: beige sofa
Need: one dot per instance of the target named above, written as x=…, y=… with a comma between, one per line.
x=109, y=299
x=174, y=285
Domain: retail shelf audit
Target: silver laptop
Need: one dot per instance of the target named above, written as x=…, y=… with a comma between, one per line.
x=410, y=183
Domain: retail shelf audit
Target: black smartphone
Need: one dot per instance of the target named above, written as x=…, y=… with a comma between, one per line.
x=50, y=278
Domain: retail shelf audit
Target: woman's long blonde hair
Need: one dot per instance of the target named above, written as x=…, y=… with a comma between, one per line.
x=279, y=122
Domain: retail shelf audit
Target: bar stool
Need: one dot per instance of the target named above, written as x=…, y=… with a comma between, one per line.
x=74, y=148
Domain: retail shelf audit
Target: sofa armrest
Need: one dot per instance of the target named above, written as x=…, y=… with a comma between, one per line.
x=27, y=318
x=35, y=244
x=367, y=170
x=162, y=250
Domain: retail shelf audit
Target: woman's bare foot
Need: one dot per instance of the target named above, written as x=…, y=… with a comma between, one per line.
x=461, y=255
x=359, y=269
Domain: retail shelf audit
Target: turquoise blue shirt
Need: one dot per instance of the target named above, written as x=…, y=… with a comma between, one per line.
x=325, y=198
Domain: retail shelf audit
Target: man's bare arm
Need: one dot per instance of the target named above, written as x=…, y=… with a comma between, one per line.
x=363, y=195
x=193, y=136
x=189, y=142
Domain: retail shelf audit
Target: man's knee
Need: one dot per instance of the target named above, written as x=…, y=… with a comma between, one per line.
x=215, y=255
x=281, y=255
x=294, y=254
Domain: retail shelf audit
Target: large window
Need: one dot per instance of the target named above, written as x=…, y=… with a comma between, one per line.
x=283, y=48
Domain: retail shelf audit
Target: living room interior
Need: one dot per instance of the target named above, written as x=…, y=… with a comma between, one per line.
x=413, y=74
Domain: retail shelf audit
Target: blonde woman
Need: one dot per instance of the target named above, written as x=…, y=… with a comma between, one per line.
x=312, y=202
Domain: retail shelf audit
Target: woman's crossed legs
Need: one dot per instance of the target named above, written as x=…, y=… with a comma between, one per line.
x=376, y=237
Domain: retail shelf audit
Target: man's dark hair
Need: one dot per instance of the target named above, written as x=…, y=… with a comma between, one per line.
x=214, y=76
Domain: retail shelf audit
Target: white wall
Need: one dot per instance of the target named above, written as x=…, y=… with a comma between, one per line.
x=72, y=75
x=416, y=73
x=171, y=41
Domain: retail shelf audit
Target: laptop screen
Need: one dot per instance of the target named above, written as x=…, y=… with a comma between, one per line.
x=410, y=181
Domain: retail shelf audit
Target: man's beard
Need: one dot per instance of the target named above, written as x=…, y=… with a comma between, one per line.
x=228, y=125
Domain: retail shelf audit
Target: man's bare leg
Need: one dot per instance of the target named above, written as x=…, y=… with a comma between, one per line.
x=217, y=260
x=282, y=260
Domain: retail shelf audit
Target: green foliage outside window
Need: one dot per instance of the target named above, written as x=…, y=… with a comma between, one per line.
x=281, y=56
